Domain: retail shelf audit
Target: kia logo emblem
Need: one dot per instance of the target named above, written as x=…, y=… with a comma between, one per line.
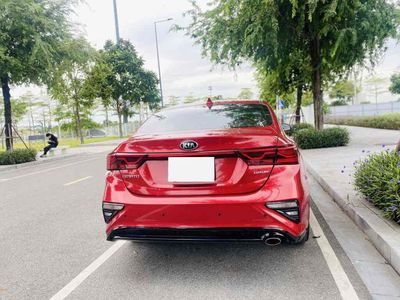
x=188, y=145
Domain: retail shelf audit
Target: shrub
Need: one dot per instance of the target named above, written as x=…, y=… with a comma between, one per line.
x=329, y=137
x=299, y=126
x=386, y=121
x=339, y=102
x=17, y=156
x=377, y=178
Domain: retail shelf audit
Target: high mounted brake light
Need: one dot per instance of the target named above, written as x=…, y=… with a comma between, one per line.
x=209, y=103
x=123, y=161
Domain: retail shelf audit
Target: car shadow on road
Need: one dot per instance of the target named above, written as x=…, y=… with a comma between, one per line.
x=238, y=267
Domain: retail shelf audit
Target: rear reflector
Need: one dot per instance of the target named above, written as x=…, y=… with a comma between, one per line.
x=289, y=209
x=110, y=210
x=124, y=161
x=285, y=155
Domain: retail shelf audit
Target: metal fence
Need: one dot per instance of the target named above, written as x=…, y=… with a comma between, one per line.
x=364, y=109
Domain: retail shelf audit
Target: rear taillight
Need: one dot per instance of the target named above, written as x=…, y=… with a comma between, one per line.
x=259, y=157
x=124, y=161
x=285, y=155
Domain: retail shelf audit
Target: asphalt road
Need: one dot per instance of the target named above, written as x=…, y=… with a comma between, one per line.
x=52, y=239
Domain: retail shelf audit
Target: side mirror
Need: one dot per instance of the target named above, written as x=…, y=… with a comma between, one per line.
x=286, y=128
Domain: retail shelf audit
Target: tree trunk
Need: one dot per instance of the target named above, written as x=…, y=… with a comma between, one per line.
x=106, y=110
x=315, y=53
x=32, y=119
x=298, y=103
x=125, y=113
x=7, y=112
x=120, y=124
x=50, y=116
x=78, y=124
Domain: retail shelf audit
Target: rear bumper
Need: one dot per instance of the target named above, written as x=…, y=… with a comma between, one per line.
x=210, y=218
x=202, y=234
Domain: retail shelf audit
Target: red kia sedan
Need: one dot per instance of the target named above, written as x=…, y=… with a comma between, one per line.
x=222, y=171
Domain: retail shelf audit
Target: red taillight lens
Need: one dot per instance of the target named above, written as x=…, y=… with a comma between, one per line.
x=123, y=161
x=285, y=155
x=259, y=157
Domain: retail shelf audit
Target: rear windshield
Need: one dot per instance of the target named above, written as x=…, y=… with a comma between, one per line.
x=202, y=118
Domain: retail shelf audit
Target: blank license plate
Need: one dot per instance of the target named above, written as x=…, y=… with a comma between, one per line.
x=191, y=169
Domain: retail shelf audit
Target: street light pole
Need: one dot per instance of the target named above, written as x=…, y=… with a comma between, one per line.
x=158, y=58
x=116, y=21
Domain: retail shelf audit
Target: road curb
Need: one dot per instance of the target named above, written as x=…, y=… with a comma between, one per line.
x=36, y=162
x=381, y=235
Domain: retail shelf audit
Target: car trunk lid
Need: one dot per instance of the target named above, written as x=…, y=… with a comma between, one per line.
x=243, y=161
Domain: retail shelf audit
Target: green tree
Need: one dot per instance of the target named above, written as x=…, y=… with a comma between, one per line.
x=31, y=32
x=291, y=79
x=344, y=91
x=395, y=84
x=271, y=87
x=69, y=85
x=100, y=78
x=245, y=93
x=19, y=109
x=376, y=83
x=189, y=99
x=120, y=79
x=173, y=100
x=330, y=36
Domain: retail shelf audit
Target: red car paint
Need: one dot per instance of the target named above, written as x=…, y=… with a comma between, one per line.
x=253, y=166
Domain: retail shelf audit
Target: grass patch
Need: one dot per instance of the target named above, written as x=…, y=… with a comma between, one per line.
x=377, y=178
x=386, y=121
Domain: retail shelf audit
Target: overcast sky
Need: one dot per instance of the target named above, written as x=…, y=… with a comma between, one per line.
x=183, y=70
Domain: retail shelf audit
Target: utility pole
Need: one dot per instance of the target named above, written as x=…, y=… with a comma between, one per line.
x=158, y=58
x=116, y=21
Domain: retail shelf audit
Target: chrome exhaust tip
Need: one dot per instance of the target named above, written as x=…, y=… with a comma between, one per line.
x=271, y=241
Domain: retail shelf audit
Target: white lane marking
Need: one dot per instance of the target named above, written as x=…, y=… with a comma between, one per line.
x=46, y=170
x=78, y=180
x=343, y=283
x=74, y=283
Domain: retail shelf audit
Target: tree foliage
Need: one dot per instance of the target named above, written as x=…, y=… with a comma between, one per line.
x=343, y=90
x=69, y=83
x=328, y=36
x=245, y=93
x=122, y=81
x=19, y=109
x=31, y=35
x=395, y=84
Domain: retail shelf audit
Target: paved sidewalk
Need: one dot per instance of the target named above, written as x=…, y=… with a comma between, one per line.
x=333, y=169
